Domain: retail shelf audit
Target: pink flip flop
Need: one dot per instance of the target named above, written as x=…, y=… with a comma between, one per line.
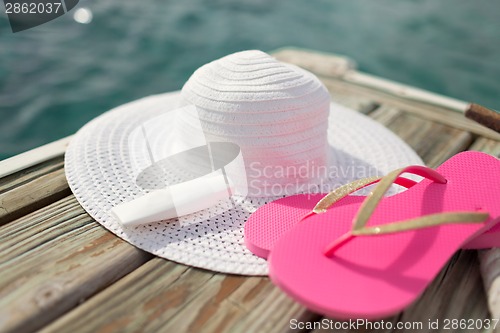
x=266, y=225
x=370, y=266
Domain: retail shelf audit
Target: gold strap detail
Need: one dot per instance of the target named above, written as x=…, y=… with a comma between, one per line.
x=372, y=200
x=341, y=192
x=344, y=190
x=422, y=222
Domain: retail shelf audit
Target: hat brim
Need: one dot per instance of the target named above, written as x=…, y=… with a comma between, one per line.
x=99, y=168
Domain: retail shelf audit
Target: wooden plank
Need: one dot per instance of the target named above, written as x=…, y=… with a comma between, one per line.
x=387, y=115
x=155, y=291
x=396, y=89
x=487, y=146
x=490, y=268
x=33, y=195
x=328, y=65
x=363, y=105
x=33, y=157
x=434, y=143
x=24, y=176
x=198, y=300
x=429, y=111
x=72, y=260
x=243, y=305
x=204, y=313
x=23, y=236
x=273, y=314
x=456, y=293
x=325, y=64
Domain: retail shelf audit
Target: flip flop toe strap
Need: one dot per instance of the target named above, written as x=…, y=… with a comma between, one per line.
x=341, y=192
x=359, y=227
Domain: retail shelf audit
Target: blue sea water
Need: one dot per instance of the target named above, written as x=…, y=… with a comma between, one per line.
x=56, y=77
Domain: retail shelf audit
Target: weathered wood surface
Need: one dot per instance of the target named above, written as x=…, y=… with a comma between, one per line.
x=27, y=192
x=63, y=272
x=34, y=157
x=54, y=258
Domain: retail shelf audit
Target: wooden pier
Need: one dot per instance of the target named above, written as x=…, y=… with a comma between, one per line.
x=63, y=272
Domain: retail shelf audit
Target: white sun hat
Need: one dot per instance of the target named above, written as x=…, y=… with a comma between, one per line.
x=276, y=130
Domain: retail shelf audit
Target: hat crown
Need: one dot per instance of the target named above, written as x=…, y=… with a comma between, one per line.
x=276, y=112
x=253, y=81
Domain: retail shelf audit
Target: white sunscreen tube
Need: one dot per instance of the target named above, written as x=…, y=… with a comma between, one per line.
x=174, y=201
